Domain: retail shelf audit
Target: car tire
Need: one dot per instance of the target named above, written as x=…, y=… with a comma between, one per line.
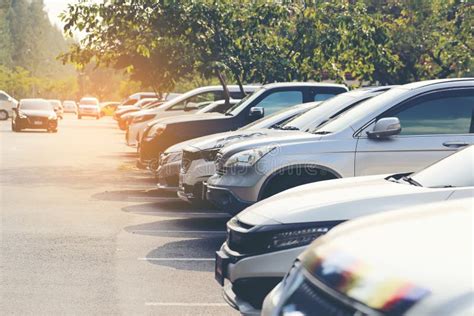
x=97, y=117
x=15, y=128
x=79, y=117
x=3, y=115
x=122, y=125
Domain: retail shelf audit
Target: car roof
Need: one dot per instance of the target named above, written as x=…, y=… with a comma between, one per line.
x=420, y=84
x=303, y=84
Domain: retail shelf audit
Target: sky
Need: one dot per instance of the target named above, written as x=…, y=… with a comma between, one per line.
x=55, y=7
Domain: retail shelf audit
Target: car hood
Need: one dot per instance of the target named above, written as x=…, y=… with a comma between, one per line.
x=223, y=139
x=425, y=249
x=278, y=137
x=39, y=113
x=342, y=199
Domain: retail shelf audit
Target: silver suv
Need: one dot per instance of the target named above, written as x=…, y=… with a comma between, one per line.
x=7, y=104
x=401, y=130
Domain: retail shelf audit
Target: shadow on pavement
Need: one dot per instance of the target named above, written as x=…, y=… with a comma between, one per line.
x=201, y=248
x=183, y=227
x=143, y=195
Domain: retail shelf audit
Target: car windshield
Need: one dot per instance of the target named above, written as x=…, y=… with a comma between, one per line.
x=244, y=102
x=348, y=118
x=88, y=102
x=456, y=170
x=36, y=105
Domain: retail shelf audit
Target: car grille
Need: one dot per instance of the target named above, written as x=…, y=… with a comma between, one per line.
x=220, y=170
x=188, y=158
x=32, y=119
x=309, y=298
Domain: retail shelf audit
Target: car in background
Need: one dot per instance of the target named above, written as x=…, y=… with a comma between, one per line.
x=58, y=108
x=413, y=261
x=203, y=107
x=264, y=239
x=70, y=106
x=34, y=114
x=267, y=100
x=401, y=130
x=123, y=117
x=170, y=161
x=134, y=98
x=88, y=107
x=199, y=156
x=108, y=108
x=7, y=105
x=187, y=103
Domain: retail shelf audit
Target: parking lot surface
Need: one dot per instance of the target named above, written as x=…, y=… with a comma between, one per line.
x=84, y=232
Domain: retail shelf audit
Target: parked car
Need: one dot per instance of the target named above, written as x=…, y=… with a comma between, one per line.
x=108, y=108
x=7, y=104
x=264, y=239
x=88, y=107
x=34, y=114
x=70, y=106
x=170, y=161
x=267, y=100
x=415, y=261
x=58, y=108
x=198, y=163
x=124, y=116
x=134, y=98
x=184, y=104
x=401, y=130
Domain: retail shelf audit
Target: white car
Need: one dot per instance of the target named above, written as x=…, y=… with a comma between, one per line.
x=199, y=153
x=401, y=130
x=264, y=239
x=88, y=107
x=70, y=106
x=180, y=105
x=415, y=261
x=7, y=104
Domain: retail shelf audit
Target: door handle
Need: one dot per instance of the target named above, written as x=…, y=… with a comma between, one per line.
x=455, y=144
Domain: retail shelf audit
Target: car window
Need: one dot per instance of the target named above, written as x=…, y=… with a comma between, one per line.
x=3, y=97
x=447, y=112
x=198, y=98
x=323, y=96
x=279, y=100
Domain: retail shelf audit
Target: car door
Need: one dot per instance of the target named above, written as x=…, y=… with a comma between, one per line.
x=434, y=125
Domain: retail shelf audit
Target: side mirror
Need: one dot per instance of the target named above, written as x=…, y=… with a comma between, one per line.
x=257, y=112
x=385, y=127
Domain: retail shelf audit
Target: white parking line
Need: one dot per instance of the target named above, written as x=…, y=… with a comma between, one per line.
x=175, y=259
x=187, y=304
x=218, y=232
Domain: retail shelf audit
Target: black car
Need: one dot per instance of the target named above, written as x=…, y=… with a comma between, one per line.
x=268, y=99
x=34, y=114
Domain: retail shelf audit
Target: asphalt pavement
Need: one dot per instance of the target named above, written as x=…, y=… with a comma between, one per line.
x=83, y=231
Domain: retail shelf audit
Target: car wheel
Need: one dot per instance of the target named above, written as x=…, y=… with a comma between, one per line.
x=122, y=125
x=97, y=117
x=3, y=115
x=79, y=117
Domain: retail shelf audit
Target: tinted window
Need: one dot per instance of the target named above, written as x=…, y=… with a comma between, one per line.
x=323, y=96
x=279, y=100
x=198, y=99
x=438, y=113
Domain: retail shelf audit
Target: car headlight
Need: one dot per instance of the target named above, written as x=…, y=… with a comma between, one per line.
x=155, y=130
x=143, y=118
x=269, y=238
x=52, y=117
x=247, y=158
x=171, y=157
x=22, y=115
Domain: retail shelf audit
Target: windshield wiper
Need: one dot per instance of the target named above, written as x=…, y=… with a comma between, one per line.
x=228, y=114
x=443, y=186
x=289, y=128
x=321, y=132
x=411, y=181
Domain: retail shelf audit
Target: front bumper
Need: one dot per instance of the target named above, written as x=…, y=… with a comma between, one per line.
x=225, y=199
x=247, y=274
x=88, y=113
x=36, y=123
x=168, y=176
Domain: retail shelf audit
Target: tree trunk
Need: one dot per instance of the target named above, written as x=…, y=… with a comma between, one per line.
x=224, y=85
